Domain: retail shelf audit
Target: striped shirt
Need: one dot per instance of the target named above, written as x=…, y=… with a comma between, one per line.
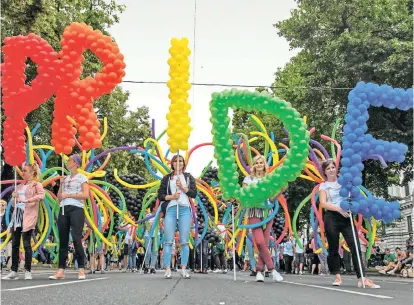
x=254, y=212
x=17, y=218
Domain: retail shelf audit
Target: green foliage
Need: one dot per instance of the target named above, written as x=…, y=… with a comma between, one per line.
x=341, y=43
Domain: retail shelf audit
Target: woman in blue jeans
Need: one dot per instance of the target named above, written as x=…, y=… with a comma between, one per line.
x=175, y=190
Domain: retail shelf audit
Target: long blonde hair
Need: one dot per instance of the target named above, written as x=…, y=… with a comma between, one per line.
x=253, y=171
x=35, y=169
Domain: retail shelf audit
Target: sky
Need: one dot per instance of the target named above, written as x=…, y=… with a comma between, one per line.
x=235, y=43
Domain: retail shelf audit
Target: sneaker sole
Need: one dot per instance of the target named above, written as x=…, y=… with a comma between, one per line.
x=16, y=278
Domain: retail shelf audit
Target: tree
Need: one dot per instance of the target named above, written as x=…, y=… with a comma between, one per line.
x=48, y=19
x=343, y=42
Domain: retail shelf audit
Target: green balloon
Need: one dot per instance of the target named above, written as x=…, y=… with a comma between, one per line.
x=255, y=195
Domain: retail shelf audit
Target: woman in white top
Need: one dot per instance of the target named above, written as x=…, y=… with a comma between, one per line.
x=73, y=190
x=256, y=215
x=337, y=221
x=174, y=192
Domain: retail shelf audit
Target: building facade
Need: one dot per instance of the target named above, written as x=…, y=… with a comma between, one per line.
x=397, y=232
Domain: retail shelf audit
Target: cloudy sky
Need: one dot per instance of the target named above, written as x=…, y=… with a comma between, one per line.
x=235, y=43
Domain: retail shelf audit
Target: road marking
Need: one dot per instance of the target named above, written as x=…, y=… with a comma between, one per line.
x=55, y=284
x=341, y=290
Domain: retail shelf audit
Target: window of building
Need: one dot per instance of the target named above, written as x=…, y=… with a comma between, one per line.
x=406, y=190
x=409, y=224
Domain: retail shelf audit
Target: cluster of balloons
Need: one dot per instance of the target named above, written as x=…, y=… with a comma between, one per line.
x=179, y=128
x=255, y=195
x=57, y=73
x=133, y=200
x=359, y=146
x=76, y=97
x=18, y=98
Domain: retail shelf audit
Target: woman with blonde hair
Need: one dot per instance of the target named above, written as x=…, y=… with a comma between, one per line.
x=26, y=200
x=255, y=215
x=73, y=191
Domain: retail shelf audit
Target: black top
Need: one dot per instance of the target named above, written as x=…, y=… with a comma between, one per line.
x=165, y=190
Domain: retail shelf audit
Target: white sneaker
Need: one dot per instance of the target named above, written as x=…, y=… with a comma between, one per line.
x=167, y=274
x=276, y=276
x=217, y=271
x=300, y=272
x=185, y=274
x=28, y=275
x=259, y=277
x=11, y=276
x=225, y=271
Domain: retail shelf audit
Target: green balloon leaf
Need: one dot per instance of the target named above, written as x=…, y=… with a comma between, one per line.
x=255, y=195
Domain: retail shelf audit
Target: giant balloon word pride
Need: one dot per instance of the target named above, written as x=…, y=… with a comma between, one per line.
x=115, y=199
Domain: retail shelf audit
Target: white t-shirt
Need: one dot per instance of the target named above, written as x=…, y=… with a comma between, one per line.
x=298, y=249
x=73, y=185
x=332, y=192
x=249, y=179
x=183, y=200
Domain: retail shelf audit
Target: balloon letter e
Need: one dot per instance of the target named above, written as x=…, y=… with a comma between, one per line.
x=359, y=146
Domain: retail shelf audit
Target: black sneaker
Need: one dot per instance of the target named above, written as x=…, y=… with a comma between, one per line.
x=145, y=270
x=253, y=273
x=152, y=271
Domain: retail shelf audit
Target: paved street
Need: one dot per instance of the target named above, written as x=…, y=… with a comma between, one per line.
x=134, y=288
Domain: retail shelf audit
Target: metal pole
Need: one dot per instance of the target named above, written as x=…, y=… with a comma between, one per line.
x=61, y=186
x=234, y=245
x=146, y=251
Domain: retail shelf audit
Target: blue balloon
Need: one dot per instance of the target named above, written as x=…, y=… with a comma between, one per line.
x=355, y=191
x=387, y=209
x=359, y=131
x=356, y=146
x=369, y=201
x=347, y=153
x=356, y=158
x=396, y=214
x=354, y=207
x=346, y=162
x=352, y=138
x=347, y=177
x=345, y=205
x=395, y=205
x=343, y=192
x=374, y=209
x=357, y=181
x=362, y=204
x=354, y=170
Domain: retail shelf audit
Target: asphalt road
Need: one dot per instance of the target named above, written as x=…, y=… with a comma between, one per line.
x=218, y=289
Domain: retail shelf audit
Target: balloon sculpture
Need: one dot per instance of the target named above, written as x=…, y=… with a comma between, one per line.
x=178, y=119
x=359, y=146
x=114, y=198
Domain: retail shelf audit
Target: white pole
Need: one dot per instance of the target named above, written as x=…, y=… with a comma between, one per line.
x=146, y=252
x=15, y=197
x=61, y=186
x=357, y=249
x=201, y=253
x=234, y=245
